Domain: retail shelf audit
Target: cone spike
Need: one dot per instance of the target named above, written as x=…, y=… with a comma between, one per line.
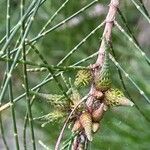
x=125, y=102
x=95, y=126
x=86, y=122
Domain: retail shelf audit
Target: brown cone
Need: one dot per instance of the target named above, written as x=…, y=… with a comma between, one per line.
x=77, y=126
x=98, y=113
x=86, y=122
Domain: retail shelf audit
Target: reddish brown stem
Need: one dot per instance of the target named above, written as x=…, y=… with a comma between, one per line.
x=110, y=18
x=108, y=30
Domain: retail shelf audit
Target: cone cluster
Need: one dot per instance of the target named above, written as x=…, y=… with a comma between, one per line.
x=85, y=121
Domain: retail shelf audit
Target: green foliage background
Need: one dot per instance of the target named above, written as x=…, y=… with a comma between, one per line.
x=122, y=128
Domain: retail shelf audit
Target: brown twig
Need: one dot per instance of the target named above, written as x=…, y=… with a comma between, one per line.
x=108, y=29
x=110, y=18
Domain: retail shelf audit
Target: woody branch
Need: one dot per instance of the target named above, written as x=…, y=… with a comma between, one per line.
x=106, y=37
x=108, y=30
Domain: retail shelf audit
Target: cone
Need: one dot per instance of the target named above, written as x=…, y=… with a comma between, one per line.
x=102, y=84
x=115, y=97
x=83, y=78
x=86, y=122
x=95, y=127
x=125, y=102
x=102, y=75
x=77, y=126
x=98, y=113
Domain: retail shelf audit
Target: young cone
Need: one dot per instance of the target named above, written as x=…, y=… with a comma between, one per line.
x=95, y=127
x=125, y=102
x=86, y=122
x=58, y=101
x=98, y=113
x=102, y=75
x=77, y=126
x=115, y=97
x=83, y=78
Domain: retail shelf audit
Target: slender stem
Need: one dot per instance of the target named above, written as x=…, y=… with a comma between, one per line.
x=46, y=66
x=25, y=123
x=141, y=11
x=119, y=73
x=51, y=72
x=127, y=26
x=39, y=36
x=18, y=52
x=16, y=29
x=65, y=80
x=43, y=145
x=131, y=37
x=131, y=80
x=144, y=8
x=53, y=17
x=3, y=134
x=27, y=14
x=46, y=80
x=10, y=82
x=125, y=88
x=26, y=79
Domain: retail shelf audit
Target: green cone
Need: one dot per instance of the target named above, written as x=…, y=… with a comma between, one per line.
x=102, y=76
x=115, y=97
x=83, y=78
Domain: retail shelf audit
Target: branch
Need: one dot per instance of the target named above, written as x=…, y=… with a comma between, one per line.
x=100, y=60
x=108, y=30
x=110, y=18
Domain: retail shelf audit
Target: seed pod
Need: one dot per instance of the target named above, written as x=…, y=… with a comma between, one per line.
x=95, y=127
x=86, y=122
x=115, y=97
x=98, y=113
x=77, y=126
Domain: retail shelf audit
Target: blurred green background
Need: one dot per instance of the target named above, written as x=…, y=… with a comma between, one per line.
x=122, y=128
